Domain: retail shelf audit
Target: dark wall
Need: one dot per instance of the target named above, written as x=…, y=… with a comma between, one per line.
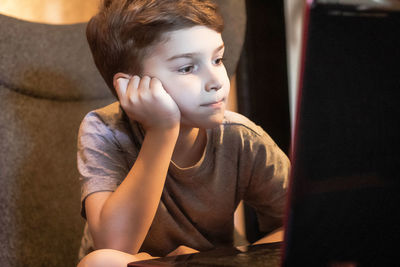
x=262, y=73
x=262, y=80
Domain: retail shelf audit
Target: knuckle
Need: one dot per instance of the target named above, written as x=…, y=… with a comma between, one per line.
x=156, y=93
x=132, y=99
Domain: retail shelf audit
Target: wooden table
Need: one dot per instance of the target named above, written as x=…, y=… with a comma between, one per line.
x=267, y=255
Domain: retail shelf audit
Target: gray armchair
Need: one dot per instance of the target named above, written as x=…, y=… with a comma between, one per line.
x=48, y=82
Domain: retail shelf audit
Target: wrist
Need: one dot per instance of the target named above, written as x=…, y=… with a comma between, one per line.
x=170, y=132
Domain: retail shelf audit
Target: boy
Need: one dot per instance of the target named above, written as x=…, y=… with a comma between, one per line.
x=164, y=169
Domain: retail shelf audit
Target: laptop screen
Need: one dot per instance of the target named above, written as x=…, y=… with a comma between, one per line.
x=344, y=188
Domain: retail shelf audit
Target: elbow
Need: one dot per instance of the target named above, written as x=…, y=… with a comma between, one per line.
x=114, y=241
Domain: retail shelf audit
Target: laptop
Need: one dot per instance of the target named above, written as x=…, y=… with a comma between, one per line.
x=344, y=192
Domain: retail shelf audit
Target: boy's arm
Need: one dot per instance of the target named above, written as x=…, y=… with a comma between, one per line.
x=121, y=220
x=268, y=187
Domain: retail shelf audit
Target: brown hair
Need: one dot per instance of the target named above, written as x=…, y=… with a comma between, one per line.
x=123, y=31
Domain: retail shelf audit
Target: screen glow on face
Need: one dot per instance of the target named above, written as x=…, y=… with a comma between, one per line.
x=190, y=66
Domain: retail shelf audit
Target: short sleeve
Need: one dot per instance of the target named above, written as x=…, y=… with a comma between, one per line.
x=100, y=158
x=267, y=188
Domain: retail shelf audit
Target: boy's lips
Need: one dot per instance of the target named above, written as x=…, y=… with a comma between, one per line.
x=216, y=103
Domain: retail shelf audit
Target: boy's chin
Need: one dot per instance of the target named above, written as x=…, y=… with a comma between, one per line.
x=205, y=124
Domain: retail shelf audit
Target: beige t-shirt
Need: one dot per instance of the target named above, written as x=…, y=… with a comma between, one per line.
x=196, y=209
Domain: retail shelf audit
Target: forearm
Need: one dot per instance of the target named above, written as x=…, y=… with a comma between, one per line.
x=274, y=236
x=127, y=214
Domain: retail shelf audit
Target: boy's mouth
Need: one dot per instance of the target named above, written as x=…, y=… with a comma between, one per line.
x=214, y=104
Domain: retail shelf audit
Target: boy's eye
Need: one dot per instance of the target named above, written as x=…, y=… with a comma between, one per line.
x=218, y=61
x=186, y=69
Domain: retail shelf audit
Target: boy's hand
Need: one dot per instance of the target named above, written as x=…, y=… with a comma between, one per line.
x=146, y=101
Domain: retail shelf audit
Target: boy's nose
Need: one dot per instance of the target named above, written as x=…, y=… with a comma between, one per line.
x=215, y=87
x=214, y=81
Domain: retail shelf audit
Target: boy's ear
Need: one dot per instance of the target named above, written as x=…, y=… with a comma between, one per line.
x=120, y=75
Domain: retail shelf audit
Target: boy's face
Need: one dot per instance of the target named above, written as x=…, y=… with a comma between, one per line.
x=189, y=65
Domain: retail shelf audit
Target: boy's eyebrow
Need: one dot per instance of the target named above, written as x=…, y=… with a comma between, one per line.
x=190, y=55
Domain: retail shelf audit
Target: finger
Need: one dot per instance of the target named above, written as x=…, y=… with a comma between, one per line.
x=156, y=86
x=121, y=87
x=132, y=91
x=143, y=88
x=144, y=83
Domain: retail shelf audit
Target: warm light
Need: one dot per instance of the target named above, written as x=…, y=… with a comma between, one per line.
x=50, y=11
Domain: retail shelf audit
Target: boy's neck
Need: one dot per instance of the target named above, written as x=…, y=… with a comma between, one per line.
x=190, y=146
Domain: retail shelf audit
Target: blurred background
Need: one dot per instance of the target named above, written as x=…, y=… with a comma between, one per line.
x=50, y=11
